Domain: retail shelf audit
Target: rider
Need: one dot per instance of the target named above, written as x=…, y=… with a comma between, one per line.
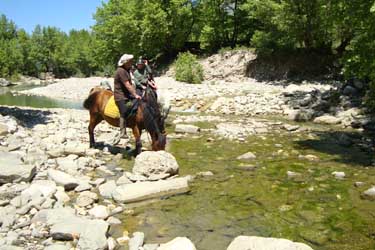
x=143, y=76
x=124, y=90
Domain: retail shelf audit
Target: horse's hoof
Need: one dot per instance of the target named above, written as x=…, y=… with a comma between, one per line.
x=92, y=145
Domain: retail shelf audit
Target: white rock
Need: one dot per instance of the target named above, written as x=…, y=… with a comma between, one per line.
x=339, y=175
x=136, y=241
x=247, y=156
x=107, y=189
x=370, y=193
x=179, y=243
x=261, y=243
x=327, y=119
x=155, y=165
x=99, y=212
x=12, y=169
x=146, y=190
x=64, y=179
x=187, y=128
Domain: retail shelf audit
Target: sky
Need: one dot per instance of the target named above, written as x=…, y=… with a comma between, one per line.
x=63, y=14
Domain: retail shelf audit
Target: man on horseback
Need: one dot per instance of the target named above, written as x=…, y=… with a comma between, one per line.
x=143, y=76
x=124, y=91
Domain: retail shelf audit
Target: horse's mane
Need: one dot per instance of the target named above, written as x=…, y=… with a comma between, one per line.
x=151, y=113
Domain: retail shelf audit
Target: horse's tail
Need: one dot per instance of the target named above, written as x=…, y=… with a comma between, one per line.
x=91, y=98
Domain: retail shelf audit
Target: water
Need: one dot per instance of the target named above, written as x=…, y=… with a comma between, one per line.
x=313, y=208
x=7, y=97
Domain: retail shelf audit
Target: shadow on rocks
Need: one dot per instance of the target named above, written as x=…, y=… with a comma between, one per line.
x=352, y=148
x=27, y=117
x=127, y=152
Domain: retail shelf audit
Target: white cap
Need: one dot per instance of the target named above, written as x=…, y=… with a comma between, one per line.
x=124, y=59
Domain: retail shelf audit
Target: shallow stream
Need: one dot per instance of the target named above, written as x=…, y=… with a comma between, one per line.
x=258, y=198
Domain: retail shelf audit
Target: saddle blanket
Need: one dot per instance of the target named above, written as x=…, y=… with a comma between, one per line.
x=111, y=109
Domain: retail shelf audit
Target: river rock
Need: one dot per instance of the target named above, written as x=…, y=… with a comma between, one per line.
x=369, y=193
x=86, y=198
x=63, y=179
x=261, y=243
x=247, y=156
x=45, y=188
x=339, y=175
x=180, y=243
x=76, y=148
x=187, y=128
x=91, y=233
x=3, y=129
x=155, y=165
x=146, y=190
x=5, y=83
x=136, y=241
x=99, y=212
x=12, y=169
x=327, y=119
x=107, y=189
x=53, y=216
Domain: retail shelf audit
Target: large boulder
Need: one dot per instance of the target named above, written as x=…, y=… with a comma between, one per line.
x=261, y=243
x=155, y=165
x=12, y=169
x=180, y=243
x=146, y=190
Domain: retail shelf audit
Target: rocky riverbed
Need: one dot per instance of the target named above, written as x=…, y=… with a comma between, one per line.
x=239, y=163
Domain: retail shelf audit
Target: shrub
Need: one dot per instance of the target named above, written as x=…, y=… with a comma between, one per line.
x=188, y=69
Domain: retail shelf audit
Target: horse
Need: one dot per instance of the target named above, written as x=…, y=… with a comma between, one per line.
x=148, y=116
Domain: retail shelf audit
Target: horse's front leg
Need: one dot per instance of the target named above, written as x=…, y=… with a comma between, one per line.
x=94, y=120
x=138, y=143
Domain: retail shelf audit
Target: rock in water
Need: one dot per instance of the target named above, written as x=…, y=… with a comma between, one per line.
x=136, y=241
x=261, y=243
x=186, y=128
x=247, y=156
x=369, y=193
x=155, y=165
x=12, y=169
x=146, y=190
x=180, y=243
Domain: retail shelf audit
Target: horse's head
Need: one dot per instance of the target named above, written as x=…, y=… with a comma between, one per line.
x=154, y=119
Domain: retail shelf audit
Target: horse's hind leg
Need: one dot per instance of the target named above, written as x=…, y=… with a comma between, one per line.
x=138, y=143
x=94, y=120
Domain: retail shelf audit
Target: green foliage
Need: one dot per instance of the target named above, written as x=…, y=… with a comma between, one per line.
x=188, y=69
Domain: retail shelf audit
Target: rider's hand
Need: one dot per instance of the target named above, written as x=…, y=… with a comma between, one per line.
x=138, y=97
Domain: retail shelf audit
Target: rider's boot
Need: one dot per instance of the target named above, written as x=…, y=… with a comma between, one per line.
x=123, y=128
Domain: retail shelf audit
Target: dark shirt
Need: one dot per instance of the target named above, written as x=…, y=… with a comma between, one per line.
x=121, y=92
x=141, y=76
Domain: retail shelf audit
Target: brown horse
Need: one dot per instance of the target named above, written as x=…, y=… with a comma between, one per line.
x=148, y=116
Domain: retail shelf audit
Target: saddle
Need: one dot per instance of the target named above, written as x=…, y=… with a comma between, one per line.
x=111, y=110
